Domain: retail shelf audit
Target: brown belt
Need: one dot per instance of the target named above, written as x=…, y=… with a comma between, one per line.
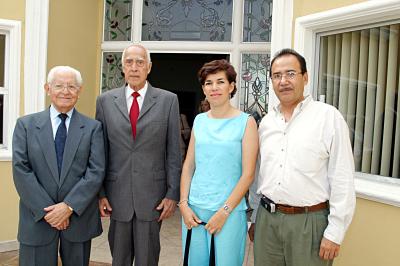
x=272, y=207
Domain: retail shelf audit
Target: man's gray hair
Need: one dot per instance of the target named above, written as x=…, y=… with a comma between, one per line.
x=137, y=45
x=58, y=69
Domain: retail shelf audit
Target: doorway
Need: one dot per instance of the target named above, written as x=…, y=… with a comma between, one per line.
x=178, y=73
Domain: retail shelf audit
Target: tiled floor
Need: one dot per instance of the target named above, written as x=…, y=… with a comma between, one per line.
x=171, y=251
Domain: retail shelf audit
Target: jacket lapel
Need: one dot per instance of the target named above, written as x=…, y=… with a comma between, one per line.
x=120, y=101
x=75, y=132
x=46, y=142
x=149, y=100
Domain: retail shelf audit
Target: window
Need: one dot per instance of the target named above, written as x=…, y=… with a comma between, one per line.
x=353, y=58
x=359, y=74
x=10, y=43
x=194, y=27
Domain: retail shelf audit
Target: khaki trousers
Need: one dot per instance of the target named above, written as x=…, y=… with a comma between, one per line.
x=289, y=239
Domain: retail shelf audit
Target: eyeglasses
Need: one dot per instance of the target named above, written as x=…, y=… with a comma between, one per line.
x=60, y=87
x=290, y=75
x=140, y=62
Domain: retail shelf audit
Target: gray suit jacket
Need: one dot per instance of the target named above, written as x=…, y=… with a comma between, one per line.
x=38, y=183
x=140, y=172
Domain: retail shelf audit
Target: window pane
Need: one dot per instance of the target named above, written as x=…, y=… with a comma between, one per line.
x=2, y=56
x=254, y=84
x=117, y=20
x=359, y=74
x=1, y=117
x=112, y=75
x=257, y=20
x=188, y=20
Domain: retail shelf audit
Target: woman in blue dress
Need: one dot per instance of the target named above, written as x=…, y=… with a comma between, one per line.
x=217, y=172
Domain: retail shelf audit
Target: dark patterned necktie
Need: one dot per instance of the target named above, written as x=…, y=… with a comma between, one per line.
x=134, y=113
x=59, y=141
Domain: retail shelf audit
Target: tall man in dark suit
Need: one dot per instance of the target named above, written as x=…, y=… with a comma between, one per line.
x=58, y=168
x=141, y=187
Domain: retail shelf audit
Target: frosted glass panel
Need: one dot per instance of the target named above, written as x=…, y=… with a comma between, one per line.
x=254, y=84
x=257, y=20
x=112, y=75
x=187, y=20
x=117, y=20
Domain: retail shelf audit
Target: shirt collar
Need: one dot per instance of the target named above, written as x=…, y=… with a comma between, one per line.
x=300, y=106
x=54, y=113
x=142, y=91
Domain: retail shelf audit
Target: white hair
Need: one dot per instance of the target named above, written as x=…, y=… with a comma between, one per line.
x=68, y=69
x=136, y=45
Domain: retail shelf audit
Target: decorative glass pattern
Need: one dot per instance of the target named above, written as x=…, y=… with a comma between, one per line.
x=112, y=76
x=257, y=20
x=117, y=20
x=187, y=20
x=254, y=84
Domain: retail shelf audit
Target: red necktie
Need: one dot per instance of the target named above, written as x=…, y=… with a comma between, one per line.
x=134, y=113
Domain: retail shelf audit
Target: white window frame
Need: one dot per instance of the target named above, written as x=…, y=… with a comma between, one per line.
x=234, y=48
x=372, y=187
x=12, y=30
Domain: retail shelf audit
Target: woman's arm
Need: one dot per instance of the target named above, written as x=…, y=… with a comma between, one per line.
x=190, y=219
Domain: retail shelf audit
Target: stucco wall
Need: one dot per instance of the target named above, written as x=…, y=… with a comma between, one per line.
x=74, y=39
x=13, y=10
x=373, y=235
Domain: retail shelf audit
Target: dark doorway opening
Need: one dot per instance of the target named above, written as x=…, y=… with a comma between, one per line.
x=178, y=73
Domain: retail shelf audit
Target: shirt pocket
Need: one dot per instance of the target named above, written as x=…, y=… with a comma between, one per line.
x=309, y=157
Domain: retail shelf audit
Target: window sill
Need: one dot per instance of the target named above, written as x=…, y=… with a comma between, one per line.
x=378, y=188
x=5, y=155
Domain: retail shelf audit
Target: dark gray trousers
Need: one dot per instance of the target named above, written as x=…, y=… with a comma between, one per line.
x=71, y=253
x=134, y=240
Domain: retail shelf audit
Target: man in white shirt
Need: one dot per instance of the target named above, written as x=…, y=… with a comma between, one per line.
x=306, y=173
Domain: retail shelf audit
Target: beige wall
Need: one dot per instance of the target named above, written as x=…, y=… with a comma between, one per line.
x=74, y=39
x=373, y=235
x=306, y=7
x=14, y=10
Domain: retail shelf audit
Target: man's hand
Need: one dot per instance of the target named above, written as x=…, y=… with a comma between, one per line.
x=64, y=225
x=328, y=249
x=168, y=207
x=104, y=207
x=251, y=231
x=57, y=214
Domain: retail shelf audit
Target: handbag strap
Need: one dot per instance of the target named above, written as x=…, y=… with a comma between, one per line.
x=187, y=247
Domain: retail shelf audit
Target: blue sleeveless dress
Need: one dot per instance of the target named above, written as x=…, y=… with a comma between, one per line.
x=218, y=160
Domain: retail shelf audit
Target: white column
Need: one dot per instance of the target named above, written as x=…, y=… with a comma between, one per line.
x=281, y=36
x=35, y=64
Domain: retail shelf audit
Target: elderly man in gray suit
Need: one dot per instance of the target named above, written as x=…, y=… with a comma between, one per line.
x=141, y=187
x=58, y=169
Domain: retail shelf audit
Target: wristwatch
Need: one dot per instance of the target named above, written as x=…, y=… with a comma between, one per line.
x=226, y=208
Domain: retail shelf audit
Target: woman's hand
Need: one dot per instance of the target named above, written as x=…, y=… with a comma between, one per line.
x=217, y=221
x=189, y=217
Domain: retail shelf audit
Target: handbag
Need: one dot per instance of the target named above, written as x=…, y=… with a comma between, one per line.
x=187, y=246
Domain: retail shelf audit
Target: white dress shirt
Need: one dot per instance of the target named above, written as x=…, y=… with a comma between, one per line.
x=309, y=160
x=56, y=121
x=140, y=99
